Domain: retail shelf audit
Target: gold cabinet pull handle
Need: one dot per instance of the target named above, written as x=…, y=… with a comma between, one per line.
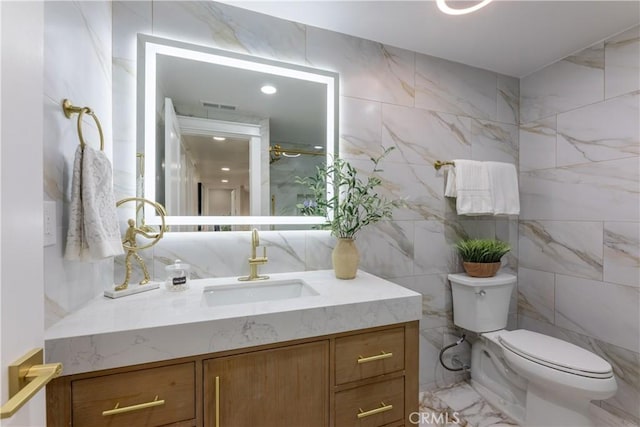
x=117, y=410
x=383, y=408
x=217, y=401
x=382, y=355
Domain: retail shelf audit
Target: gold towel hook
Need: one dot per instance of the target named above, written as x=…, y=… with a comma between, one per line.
x=70, y=109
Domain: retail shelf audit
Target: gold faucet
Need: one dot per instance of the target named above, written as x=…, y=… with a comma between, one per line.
x=254, y=261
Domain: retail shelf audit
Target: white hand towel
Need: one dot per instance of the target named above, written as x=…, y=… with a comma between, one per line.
x=473, y=191
x=93, y=232
x=450, y=186
x=503, y=179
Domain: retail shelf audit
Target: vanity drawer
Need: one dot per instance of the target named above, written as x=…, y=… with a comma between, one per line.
x=371, y=405
x=369, y=354
x=175, y=385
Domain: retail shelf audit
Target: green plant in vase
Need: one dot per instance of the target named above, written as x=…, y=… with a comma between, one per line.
x=354, y=204
x=481, y=257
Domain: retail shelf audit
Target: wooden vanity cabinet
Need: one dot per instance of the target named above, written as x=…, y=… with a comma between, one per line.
x=155, y=394
x=168, y=392
x=286, y=386
x=366, y=378
x=373, y=376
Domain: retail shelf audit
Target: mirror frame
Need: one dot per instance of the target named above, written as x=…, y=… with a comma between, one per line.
x=149, y=47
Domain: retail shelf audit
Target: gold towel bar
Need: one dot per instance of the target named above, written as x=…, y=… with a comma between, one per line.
x=276, y=152
x=439, y=163
x=70, y=109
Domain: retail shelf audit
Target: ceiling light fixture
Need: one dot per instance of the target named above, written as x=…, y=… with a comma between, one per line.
x=268, y=89
x=219, y=138
x=224, y=180
x=225, y=169
x=445, y=8
x=318, y=147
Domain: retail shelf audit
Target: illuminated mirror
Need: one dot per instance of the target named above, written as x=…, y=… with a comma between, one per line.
x=225, y=134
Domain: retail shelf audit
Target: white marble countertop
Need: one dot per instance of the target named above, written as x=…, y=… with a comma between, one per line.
x=162, y=325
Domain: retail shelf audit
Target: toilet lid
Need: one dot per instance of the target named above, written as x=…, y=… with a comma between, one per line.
x=555, y=353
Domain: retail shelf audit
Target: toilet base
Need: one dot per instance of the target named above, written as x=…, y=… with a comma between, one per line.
x=511, y=409
x=544, y=408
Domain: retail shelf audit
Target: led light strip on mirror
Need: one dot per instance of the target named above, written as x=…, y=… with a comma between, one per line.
x=149, y=49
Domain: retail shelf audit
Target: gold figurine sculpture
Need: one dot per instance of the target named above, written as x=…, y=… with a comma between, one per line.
x=131, y=246
x=130, y=243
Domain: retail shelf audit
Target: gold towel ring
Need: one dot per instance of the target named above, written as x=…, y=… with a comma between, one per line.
x=70, y=109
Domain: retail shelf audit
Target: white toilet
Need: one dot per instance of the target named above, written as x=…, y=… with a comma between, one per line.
x=535, y=379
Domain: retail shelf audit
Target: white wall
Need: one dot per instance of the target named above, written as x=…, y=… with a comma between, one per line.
x=21, y=226
x=579, y=275
x=219, y=202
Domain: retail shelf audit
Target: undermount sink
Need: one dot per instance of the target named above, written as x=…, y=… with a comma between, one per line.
x=241, y=293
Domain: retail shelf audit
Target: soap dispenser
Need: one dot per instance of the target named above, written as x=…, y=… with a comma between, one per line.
x=177, y=276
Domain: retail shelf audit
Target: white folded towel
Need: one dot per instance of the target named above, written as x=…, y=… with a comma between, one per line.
x=503, y=181
x=472, y=189
x=93, y=232
x=450, y=186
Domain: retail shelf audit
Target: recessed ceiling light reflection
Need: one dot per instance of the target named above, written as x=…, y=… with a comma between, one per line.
x=268, y=89
x=219, y=138
x=318, y=147
x=225, y=169
x=224, y=180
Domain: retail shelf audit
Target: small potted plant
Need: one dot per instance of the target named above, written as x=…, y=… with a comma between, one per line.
x=481, y=257
x=353, y=205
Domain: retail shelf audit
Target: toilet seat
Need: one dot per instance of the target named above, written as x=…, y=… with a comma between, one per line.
x=555, y=353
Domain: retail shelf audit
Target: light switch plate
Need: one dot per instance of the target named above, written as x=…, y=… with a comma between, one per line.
x=49, y=228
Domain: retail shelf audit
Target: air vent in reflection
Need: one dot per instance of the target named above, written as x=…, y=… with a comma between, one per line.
x=219, y=106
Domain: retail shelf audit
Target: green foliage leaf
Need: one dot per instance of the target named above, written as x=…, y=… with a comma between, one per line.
x=354, y=202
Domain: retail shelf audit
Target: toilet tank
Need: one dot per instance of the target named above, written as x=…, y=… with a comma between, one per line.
x=481, y=304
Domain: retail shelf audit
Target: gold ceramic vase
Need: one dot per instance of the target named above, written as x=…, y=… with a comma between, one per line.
x=345, y=258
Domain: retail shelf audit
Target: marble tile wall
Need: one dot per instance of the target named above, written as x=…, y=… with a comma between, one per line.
x=77, y=66
x=427, y=107
x=579, y=230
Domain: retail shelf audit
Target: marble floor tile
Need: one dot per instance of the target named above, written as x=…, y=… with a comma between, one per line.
x=460, y=405
x=463, y=406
